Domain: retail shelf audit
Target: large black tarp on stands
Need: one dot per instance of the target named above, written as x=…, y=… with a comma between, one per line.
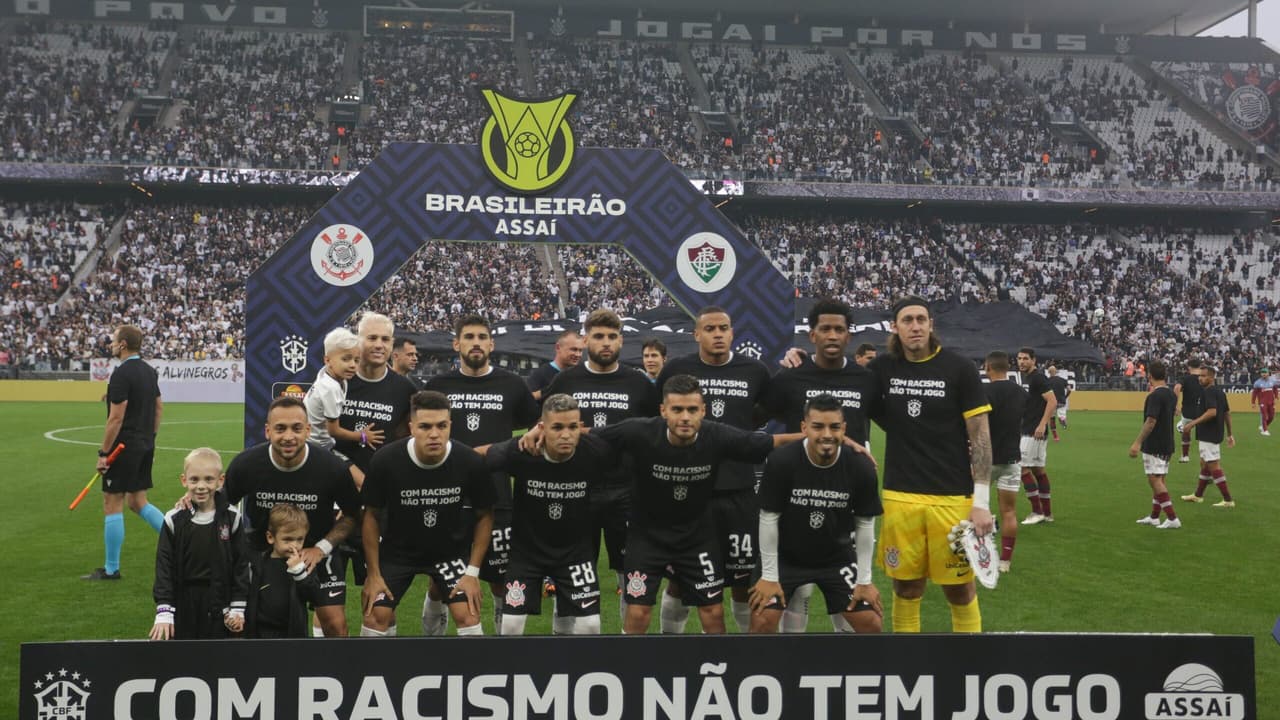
x=973, y=329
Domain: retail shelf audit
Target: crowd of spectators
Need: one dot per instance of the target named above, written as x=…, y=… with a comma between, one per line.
x=428, y=91
x=1136, y=293
x=606, y=276
x=443, y=281
x=62, y=87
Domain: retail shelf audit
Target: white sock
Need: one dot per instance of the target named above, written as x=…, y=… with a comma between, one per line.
x=316, y=630
x=366, y=631
x=840, y=624
x=393, y=631
x=589, y=625
x=498, y=603
x=673, y=614
x=513, y=625
x=476, y=629
x=741, y=615
x=795, y=618
x=563, y=625
x=435, y=619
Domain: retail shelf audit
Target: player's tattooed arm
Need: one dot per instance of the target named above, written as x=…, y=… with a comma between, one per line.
x=979, y=447
x=1147, y=426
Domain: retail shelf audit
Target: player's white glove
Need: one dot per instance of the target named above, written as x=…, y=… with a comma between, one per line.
x=977, y=550
x=1182, y=424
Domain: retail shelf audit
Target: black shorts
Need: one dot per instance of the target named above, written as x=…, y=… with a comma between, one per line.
x=736, y=515
x=332, y=572
x=611, y=510
x=692, y=561
x=131, y=471
x=399, y=577
x=494, y=569
x=577, y=588
x=836, y=584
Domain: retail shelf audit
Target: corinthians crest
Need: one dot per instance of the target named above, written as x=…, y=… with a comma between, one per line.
x=527, y=145
x=62, y=696
x=342, y=255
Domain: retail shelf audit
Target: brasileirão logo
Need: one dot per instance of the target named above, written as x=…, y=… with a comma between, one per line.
x=534, y=147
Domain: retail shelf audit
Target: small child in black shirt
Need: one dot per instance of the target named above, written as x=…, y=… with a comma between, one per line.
x=280, y=583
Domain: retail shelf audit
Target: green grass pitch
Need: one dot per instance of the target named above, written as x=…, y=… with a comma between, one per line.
x=1094, y=570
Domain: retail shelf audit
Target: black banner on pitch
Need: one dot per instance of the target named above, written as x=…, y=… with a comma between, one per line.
x=1099, y=677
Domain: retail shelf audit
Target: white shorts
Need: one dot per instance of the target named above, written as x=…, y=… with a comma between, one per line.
x=1155, y=465
x=1033, y=451
x=1007, y=477
x=1210, y=451
x=1062, y=412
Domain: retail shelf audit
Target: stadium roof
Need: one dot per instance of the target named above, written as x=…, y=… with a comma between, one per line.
x=1187, y=17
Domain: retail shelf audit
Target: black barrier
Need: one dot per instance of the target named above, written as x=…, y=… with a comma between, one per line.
x=1050, y=677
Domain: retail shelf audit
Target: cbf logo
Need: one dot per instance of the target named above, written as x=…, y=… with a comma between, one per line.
x=680, y=492
x=717, y=408
x=64, y=696
x=1194, y=691
x=914, y=407
x=527, y=145
x=816, y=519
x=706, y=262
x=293, y=353
x=342, y=255
x=473, y=421
x=749, y=348
x=555, y=511
x=600, y=419
x=429, y=518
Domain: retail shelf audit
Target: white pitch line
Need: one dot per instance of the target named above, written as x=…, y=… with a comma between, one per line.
x=53, y=434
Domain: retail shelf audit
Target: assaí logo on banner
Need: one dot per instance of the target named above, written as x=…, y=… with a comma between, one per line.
x=1194, y=691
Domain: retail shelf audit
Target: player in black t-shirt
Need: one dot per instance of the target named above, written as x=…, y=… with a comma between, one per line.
x=1213, y=424
x=404, y=360
x=815, y=497
x=1188, y=386
x=288, y=469
x=133, y=418
x=827, y=370
x=1008, y=402
x=1155, y=442
x=423, y=483
x=551, y=521
x=674, y=460
x=377, y=407
x=568, y=354
x=1040, y=407
x=937, y=466
x=732, y=386
x=608, y=393
x=487, y=405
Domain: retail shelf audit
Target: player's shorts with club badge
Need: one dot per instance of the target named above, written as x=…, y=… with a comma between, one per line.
x=577, y=588
x=1210, y=451
x=691, y=559
x=913, y=537
x=1033, y=451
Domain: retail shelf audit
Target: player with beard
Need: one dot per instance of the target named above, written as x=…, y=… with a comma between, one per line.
x=377, y=406
x=288, y=469
x=568, y=354
x=937, y=466
x=818, y=503
x=675, y=459
x=1188, y=387
x=827, y=370
x=608, y=393
x=732, y=386
x=1040, y=407
x=487, y=405
x=404, y=358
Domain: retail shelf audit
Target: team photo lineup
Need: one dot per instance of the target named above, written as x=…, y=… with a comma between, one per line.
x=369, y=470
x=539, y=318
